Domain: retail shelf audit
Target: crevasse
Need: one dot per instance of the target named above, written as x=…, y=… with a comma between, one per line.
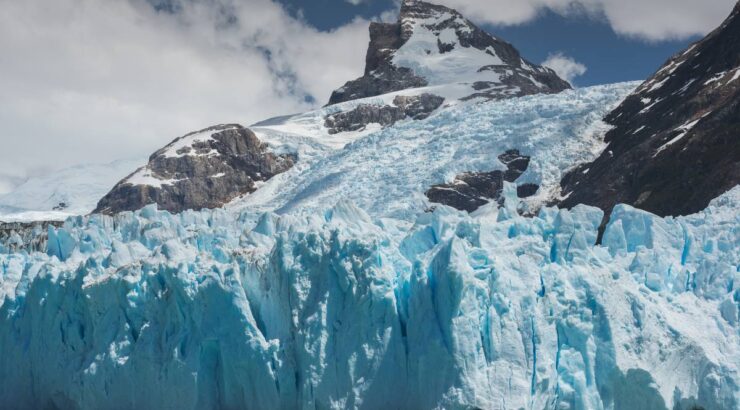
x=338, y=310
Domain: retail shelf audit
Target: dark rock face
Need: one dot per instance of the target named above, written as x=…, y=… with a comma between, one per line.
x=675, y=144
x=25, y=236
x=511, y=75
x=516, y=82
x=416, y=107
x=381, y=75
x=471, y=190
x=200, y=170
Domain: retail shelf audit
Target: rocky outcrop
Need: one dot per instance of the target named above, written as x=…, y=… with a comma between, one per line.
x=400, y=56
x=416, y=107
x=471, y=190
x=675, y=144
x=205, y=169
x=25, y=236
x=381, y=75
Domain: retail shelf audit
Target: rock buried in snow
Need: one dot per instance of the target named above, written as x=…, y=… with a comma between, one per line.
x=471, y=190
x=416, y=107
x=204, y=169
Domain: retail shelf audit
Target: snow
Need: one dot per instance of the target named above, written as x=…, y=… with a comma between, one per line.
x=386, y=172
x=686, y=86
x=735, y=76
x=715, y=78
x=650, y=107
x=337, y=309
x=79, y=187
x=683, y=130
x=144, y=176
x=188, y=140
x=421, y=53
x=334, y=286
x=308, y=128
x=658, y=85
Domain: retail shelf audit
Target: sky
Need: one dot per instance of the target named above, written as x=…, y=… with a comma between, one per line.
x=91, y=81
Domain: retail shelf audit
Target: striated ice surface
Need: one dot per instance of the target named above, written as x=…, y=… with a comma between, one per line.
x=386, y=172
x=338, y=309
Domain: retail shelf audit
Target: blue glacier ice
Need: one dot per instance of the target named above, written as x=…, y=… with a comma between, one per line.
x=337, y=309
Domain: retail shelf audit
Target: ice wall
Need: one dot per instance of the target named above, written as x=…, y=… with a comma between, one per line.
x=494, y=311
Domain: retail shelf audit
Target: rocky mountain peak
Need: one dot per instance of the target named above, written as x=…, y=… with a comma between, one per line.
x=432, y=45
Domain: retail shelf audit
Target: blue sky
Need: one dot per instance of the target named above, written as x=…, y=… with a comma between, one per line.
x=609, y=57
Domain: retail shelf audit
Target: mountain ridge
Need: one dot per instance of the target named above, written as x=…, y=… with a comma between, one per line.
x=674, y=146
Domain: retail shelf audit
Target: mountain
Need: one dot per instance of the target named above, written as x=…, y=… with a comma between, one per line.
x=674, y=146
x=203, y=169
x=387, y=171
x=395, y=251
x=432, y=58
x=66, y=192
x=432, y=45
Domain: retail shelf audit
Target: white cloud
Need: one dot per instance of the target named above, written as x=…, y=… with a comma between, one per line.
x=648, y=19
x=566, y=67
x=97, y=80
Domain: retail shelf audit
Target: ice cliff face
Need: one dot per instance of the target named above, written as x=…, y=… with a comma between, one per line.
x=334, y=283
x=337, y=310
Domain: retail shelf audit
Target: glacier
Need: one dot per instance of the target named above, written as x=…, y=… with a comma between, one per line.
x=63, y=193
x=338, y=309
x=337, y=285
x=386, y=171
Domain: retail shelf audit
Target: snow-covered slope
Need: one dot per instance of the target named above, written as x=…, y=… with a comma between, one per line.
x=338, y=310
x=70, y=191
x=433, y=45
x=386, y=172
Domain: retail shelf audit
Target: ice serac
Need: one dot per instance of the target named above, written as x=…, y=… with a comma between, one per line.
x=203, y=169
x=339, y=311
x=432, y=45
x=25, y=236
x=675, y=143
